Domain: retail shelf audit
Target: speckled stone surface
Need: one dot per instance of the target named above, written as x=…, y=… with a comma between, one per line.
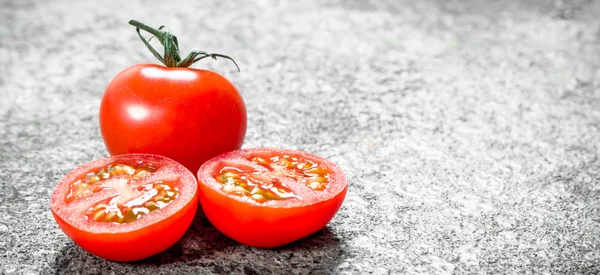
x=469, y=130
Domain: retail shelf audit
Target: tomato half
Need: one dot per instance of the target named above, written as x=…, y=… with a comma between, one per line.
x=185, y=114
x=127, y=207
x=270, y=197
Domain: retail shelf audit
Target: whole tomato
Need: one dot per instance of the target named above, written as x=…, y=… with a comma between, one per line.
x=188, y=115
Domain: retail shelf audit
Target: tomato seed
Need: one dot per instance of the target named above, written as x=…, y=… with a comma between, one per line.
x=286, y=163
x=314, y=184
x=89, y=176
x=98, y=215
x=129, y=216
x=110, y=216
x=259, y=198
x=260, y=161
x=240, y=189
x=228, y=188
x=271, y=196
x=139, y=174
x=129, y=170
x=94, y=179
x=150, y=205
x=99, y=207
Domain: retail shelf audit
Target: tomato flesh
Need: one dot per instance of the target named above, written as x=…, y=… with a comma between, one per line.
x=153, y=196
x=89, y=184
x=126, y=207
x=270, y=197
x=254, y=185
x=305, y=171
x=261, y=186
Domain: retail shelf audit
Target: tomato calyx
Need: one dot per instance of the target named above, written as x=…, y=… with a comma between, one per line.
x=170, y=44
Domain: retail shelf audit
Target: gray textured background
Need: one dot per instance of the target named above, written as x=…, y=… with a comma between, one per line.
x=469, y=130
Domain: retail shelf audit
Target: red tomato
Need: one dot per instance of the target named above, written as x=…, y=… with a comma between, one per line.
x=270, y=197
x=185, y=114
x=127, y=207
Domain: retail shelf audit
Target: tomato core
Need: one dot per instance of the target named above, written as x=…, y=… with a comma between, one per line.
x=153, y=196
x=305, y=171
x=253, y=184
x=129, y=204
x=90, y=183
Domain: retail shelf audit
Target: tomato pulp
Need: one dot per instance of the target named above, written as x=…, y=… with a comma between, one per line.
x=185, y=114
x=270, y=197
x=126, y=207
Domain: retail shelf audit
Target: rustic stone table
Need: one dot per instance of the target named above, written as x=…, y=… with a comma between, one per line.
x=469, y=130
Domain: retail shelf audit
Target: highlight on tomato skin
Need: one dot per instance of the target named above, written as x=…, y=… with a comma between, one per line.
x=267, y=197
x=126, y=207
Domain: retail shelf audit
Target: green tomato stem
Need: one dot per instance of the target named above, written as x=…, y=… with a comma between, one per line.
x=171, y=57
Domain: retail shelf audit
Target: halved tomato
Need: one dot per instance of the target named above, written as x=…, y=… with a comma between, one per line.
x=126, y=207
x=270, y=197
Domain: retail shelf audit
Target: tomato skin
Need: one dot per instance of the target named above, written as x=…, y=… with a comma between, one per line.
x=161, y=229
x=247, y=223
x=184, y=114
x=267, y=226
x=135, y=245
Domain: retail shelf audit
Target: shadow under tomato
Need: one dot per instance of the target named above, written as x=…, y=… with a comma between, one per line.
x=205, y=248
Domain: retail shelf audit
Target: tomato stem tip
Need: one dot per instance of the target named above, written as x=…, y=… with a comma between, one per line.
x=171, y=57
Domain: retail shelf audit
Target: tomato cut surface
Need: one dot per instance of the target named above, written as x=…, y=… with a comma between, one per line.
x=269, y=197
x=126, y=207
